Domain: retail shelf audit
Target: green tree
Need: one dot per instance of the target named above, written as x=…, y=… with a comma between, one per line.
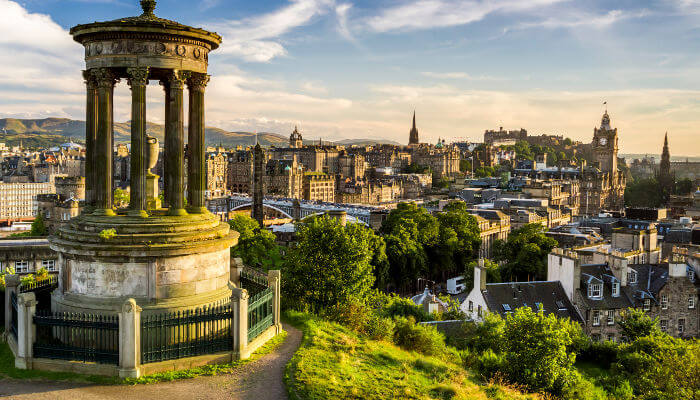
x=465, y=165
x=536, y=350
x=329, y=264
x=459, y=238
x=38, y=228
x=524, y=253
x=483, y=172
x=643, y=193
x=493, y=273
x=256, y=247
x=522, y=150
x=121, y=198
x=634, y=324
x=684, y=186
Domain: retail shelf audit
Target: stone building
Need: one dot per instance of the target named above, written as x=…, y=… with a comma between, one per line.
x=318, y=187
x=284, y=178
x=602, y=184
x=493, y=225
x=217, y=174
x=18, y=201
x=27, y=255
x=239, y=171
x=351, y=165
x=58, y=208
x=295, y=139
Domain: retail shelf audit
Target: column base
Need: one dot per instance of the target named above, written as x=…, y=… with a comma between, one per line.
x=137, y=213
x=129, y=372
x=197, y=210
x=178, y=212
x=106, y=212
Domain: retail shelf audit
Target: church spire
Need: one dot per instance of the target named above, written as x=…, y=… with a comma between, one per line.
x=413, y=136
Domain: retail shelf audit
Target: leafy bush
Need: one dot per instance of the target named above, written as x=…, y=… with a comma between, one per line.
x=379, y=328
x=27, y=279
x=482, y=336
x=635, y=323
x=392, y=306
x=421, y=338
x=42, y=273
x=489, y=364
x=358, y=316
x=602, y=354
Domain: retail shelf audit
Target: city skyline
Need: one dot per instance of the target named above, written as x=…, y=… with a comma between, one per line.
x=358, y=69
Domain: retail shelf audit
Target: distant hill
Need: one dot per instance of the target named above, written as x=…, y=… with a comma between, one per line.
x=54, y=131
x=50, y=132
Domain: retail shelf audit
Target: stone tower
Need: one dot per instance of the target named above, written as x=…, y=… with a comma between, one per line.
x=605, y=146
x=665, y=178
x=413, y=136
x=257, y=211
x=295, y=140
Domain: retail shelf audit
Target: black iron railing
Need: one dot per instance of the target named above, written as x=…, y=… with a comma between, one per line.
x=51, y=280
x=77, y=337
x=13, y=314
x=253, y=280
x=170, y=336
x=260, y=313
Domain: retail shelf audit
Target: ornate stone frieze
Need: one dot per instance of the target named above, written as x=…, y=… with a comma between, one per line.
x=137, y=76
x=195, y=51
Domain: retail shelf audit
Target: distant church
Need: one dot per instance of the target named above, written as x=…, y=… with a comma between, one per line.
x=413, y=136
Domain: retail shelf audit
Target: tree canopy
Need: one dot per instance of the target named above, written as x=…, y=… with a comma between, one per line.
x=524, y=253
x=256, y=247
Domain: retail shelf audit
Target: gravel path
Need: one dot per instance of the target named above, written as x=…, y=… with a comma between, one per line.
x=258, y=380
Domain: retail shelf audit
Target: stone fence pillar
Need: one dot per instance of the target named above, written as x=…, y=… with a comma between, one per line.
x=130, y=340
x=11, y=286
x=236, y=269
x=274, y=279
x=26, y=308
x=239, y=323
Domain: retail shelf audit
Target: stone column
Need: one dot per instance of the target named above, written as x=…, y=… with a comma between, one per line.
x=196, y=173
x=90, y=136
x=105, y=79
x=274, y=279
x=239, y=323
x=26, y=307
x=138, y=80
x=130, y=340
x=175, y=143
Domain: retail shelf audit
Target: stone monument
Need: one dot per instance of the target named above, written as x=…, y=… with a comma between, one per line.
x=170, y=258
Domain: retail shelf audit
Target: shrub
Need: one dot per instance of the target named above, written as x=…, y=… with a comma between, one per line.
x=42, y=273
x=379, y=328
x=602, y=354
x=359, y=317
x=394, y=306
x=481, y=336
x=489, y=364
x=27, y=279
x=421, y=338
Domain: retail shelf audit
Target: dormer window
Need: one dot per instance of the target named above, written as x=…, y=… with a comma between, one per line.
x=595, y=290
x=616, y=289
x=632, y=276
x=647, y=304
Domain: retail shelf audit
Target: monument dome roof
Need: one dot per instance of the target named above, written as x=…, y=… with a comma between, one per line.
x=146, y=23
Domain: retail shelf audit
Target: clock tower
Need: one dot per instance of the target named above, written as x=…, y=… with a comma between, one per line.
x=605, y=146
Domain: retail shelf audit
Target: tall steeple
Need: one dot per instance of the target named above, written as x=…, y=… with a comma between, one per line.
x=413, y=136
x=666, y=180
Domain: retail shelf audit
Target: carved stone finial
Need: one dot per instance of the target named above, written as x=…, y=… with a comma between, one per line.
x=148, y=7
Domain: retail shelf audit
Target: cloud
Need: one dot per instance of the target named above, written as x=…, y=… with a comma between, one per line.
x=426, y=14
x=257, y=38
x=461, y=76
x=341, y=11
x=577, y=19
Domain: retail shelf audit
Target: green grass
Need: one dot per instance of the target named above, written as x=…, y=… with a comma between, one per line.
x=336, y=363
x=209, y=370
x=8, y=370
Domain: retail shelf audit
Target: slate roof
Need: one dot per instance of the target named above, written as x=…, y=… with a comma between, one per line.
x=527, y=294
x=597, y=273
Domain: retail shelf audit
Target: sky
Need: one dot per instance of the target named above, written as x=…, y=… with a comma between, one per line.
x=344, y=69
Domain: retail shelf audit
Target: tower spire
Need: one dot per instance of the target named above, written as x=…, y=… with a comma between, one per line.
x=413, y=136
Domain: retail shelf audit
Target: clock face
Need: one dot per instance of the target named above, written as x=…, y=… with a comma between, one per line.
x=603, y=141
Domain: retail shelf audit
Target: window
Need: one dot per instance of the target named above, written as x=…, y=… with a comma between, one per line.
x=471, y=306
x=611, y=337
x=691, y=301
x=479, y=311
x=21, y=266
x=50, y=265
x=647, y=304
x=632, y=276
x=506, y=307
x=616, y=288
x=596, y=318
x=664, y=302
x=681, y=325
x=595, y=290
x=663, y=324
x=611, y=317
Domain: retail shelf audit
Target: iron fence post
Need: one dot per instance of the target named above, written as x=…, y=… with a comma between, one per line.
x=26, y=308
x=130, y=340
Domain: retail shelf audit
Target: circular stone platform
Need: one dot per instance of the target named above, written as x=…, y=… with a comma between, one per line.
x=166, y=263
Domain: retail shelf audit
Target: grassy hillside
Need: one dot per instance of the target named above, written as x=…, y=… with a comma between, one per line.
x=333, y=362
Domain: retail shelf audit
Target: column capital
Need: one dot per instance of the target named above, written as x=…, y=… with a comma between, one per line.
x=138, y=76
x=89, y=79
x=104, y=77
x=198, y=81
x=175, y=79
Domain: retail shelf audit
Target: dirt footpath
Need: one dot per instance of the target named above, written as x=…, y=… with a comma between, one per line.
x=258, y=380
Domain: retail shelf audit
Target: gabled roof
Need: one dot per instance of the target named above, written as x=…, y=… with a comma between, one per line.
x=506, y=297
x=597, y=273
